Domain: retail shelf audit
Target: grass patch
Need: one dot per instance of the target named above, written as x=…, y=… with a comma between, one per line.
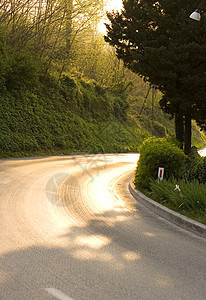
x=187, y=198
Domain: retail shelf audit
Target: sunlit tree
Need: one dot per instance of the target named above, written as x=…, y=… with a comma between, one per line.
x=48, y=27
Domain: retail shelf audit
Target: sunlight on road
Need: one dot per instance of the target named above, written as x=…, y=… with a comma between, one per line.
x=102, y=196
x=131, y=256
x=94, y=241
x=149, y=234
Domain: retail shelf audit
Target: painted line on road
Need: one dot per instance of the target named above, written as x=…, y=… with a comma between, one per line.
x=58, y=294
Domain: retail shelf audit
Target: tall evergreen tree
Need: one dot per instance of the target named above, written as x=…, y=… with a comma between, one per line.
x=158, y=40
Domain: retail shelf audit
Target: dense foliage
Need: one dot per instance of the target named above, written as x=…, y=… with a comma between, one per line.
x=183, y=188
x=56, y=103
x=195, y=168
x=41, y=115
x=73, y=116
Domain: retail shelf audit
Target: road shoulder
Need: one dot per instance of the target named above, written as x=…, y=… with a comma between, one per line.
x=172, y=216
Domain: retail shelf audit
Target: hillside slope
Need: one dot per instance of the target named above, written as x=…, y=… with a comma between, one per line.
x=41, y=113
x=74, y=116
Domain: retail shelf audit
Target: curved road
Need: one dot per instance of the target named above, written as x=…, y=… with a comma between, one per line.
x=70, y=230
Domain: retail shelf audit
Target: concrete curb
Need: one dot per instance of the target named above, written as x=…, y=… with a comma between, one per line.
x=172, y=216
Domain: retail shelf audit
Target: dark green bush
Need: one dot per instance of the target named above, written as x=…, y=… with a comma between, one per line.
x=191, y=166
x=155, y=153
x=195, y=167
x=23, y=71
x=201, y=171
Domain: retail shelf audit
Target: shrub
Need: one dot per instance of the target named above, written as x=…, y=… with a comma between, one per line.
x=195, y=167
x=155, y=153
x=201, y=171
x=23, y=71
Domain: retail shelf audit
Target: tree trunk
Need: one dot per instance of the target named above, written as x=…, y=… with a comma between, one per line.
x=145, y=99
x=179, y=128
x=153, y=98
x=69, y=11
x=188, y=133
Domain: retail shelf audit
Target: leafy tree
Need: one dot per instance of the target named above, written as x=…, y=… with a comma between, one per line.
x=157, y=40
x=48, y=27
x=97, y=60
x=23, y=71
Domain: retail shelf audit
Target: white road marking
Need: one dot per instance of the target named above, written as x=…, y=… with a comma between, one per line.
x=58, y=294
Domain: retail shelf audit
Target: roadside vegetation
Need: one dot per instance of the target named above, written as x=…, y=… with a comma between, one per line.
x=63, y=91
x=62, y=88
x=44, y=115
x=183, y=188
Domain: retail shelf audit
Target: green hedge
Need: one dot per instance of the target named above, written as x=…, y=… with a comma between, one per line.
x=155, y=153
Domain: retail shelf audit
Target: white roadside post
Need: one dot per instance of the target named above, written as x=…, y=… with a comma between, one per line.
x=160, y=173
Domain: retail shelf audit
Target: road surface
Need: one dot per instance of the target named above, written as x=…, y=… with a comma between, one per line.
x=70, y=230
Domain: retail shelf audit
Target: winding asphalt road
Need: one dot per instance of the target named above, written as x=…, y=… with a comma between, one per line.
x=70, y=230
